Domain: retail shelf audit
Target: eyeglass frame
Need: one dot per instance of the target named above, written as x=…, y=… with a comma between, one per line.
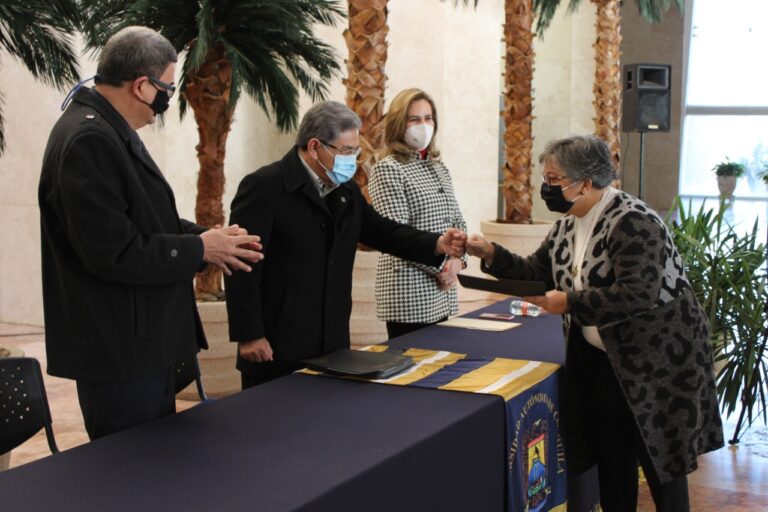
x=169, y=89
x=356, y=152
x=557, y=179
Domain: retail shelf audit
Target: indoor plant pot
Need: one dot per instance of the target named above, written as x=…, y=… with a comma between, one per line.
x=727, y=173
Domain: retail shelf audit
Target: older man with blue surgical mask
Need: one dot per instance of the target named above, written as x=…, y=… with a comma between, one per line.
x=311, y=216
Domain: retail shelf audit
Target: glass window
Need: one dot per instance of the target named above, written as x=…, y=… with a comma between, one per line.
x=724, y=63
x=709, y=139
x=726, y=103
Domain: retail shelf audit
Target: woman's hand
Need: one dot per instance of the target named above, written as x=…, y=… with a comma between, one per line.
x=554, y=301
x=480, y=247
x=446, y=278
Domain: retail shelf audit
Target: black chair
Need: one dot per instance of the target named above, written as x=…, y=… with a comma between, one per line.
x=187, y=371
x=23, y=403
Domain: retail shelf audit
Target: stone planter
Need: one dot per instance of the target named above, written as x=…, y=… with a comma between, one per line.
x=8, y=351
x=522, y=239
x=726, y=185
x=217, y=364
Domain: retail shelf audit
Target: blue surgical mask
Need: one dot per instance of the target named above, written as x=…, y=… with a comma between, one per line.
x=344, y=167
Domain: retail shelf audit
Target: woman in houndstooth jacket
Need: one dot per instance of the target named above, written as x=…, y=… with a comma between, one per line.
x=411, y=185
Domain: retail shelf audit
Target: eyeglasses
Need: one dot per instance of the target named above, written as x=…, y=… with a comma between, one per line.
x=553, y=180
x=169, y=89
x=346, y=151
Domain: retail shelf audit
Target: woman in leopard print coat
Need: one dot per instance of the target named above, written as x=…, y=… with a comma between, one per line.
x=638, y=380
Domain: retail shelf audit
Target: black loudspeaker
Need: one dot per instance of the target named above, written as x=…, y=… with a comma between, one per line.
x=646, y=98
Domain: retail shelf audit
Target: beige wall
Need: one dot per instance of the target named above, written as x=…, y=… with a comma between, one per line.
x=453, y=53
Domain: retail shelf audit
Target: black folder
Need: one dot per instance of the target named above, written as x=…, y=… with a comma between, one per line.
x=505, y=286
x=359, y=363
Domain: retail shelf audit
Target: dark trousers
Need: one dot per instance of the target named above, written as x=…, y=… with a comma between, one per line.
x=620, y=447
x=268, y=371
x=395, y=329
x=110, y=407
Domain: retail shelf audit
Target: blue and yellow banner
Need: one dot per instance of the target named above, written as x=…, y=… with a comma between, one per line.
x=536, y=477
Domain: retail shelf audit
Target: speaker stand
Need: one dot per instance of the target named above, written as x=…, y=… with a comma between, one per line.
x=640, y=175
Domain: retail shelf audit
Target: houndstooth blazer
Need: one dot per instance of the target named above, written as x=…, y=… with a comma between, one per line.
x=418, y=193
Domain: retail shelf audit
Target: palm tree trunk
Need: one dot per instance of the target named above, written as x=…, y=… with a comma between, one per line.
x=207, y=93
x=366, y=40
x=607, y=86
x=518, y=138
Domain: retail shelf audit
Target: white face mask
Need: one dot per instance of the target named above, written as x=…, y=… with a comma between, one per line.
x=419, y=136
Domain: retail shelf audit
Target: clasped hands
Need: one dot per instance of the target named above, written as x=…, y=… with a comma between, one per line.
x=228, y=247
x=452, y=243
x=554, y=301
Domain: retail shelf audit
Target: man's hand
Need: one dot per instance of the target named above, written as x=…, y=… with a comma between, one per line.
x=554, y=301
x=255, y=351
x=480, y=247
x=447, y=277
x=224, y=247
x=452, y=243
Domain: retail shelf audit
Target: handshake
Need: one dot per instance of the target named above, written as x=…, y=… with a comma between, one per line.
x=455, y=242
x=227, y=247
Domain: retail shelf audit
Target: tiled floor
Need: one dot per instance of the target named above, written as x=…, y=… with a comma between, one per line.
x=730, y=479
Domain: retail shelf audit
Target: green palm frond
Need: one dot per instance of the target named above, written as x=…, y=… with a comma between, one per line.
x=652, y=11
x=270, y=43
x=39, y=34
x=544, y=10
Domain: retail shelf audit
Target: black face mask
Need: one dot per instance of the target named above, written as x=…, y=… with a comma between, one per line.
x=160, y=103
x=553, y=196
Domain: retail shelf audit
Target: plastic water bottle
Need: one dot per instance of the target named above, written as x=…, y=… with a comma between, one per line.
x=522, y=308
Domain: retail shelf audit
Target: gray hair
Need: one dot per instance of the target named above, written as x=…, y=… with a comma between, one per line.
x=326, y=121
x=133, y=52
x=582, y=157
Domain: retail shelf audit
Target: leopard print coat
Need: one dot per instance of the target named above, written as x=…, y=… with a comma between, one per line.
x=656, y=335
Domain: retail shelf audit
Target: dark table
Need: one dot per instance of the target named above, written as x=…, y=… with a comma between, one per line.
x=305, y=443
x=537, y=339
x=298, y=443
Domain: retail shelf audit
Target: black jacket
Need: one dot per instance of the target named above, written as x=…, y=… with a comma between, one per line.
x=300, y=295
x=117, y=261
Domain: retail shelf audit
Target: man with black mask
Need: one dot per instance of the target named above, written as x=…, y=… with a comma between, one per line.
x=117, y=260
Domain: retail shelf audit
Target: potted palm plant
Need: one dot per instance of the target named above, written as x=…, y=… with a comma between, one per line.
x=516, y=187
x=727, y=173
x=262, y=48
x=258, y=47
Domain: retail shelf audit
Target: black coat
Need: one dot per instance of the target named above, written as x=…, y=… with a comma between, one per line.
x=117, y=261
x=300, y=295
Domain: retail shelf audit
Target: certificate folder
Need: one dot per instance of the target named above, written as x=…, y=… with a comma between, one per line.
x=505, y=286
x=360, y=363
